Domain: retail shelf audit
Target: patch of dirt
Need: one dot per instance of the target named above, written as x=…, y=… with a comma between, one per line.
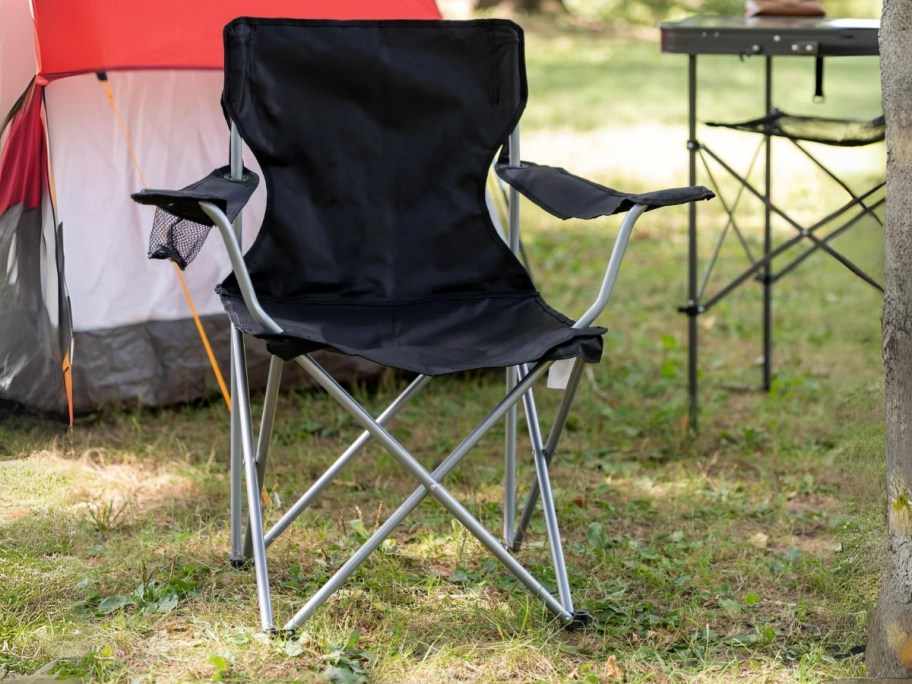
x=48, y=479
x=818, y=547
x=812, y=503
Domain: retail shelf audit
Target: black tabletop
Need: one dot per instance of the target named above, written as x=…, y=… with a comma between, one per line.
x=740, y=35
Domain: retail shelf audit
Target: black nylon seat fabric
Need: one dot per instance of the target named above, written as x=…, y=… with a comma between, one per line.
x=374, y=139
x=827, y=131
x=564, y=195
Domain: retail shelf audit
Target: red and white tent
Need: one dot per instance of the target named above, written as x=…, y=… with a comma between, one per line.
x=97, y=100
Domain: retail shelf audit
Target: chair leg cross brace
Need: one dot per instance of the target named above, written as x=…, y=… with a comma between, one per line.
x=560, y=420
x=809, y=231
x=308, y=497
x=430, y=484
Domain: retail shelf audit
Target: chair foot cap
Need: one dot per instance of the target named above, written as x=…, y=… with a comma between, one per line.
x=240, y=563
x=580, y=620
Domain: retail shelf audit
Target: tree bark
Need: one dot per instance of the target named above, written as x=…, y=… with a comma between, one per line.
x=889, y=649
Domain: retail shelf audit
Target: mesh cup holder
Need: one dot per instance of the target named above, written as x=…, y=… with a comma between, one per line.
x=176, y=238
x=840, y=132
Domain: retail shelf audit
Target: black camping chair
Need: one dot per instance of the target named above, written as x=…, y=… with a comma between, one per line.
x=375, y=139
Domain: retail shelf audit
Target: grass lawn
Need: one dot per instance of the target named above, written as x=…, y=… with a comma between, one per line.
x=748, y=552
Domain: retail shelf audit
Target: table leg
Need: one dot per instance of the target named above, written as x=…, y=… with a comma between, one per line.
x=766, y=276
x=692, y=260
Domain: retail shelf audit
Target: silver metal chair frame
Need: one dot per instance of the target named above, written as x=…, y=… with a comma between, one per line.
x=248, y=461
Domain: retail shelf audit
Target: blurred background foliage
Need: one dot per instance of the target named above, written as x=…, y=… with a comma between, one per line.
x=651, y=12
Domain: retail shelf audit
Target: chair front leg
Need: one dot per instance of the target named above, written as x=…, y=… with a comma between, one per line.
x=544, y=486
x=245, y=428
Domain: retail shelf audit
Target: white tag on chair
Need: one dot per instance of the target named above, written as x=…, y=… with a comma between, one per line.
x=559, y=373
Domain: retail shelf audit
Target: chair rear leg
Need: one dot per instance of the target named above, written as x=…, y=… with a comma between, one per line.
x=514, y=241
x=264, y=439
x=509, y=501
x=560, y=420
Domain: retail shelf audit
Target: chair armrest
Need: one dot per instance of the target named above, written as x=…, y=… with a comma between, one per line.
x=180, y=226
x=567, y=196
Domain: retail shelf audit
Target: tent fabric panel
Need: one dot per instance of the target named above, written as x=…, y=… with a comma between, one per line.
x=161, y=362
x=30, y=352
x=100, y=35
x=145, y=364
x=177, y=132
x=23, y=156
x=18, y=64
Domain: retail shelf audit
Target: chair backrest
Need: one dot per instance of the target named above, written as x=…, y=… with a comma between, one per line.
x=375, y=139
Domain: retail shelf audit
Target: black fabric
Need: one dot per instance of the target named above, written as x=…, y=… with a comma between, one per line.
x=374, y=139
x=180, y=226
x=840, y=132
x=175, y=238
x=433, y=337
x=31, y=345
x=564, y=195
x=155, y=363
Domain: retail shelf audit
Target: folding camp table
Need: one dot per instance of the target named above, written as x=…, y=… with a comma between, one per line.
x=765, y=37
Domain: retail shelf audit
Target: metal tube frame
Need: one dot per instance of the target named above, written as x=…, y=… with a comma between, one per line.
x=560, y=420
x=254, y=460
x=273, y=382
x=236, y=554
x=236, y=494
x=766, y=272
x=544, y=485
x=320, y=484
x=692, y=309
x=512, y=374
x=254, y=509
x=430, y=485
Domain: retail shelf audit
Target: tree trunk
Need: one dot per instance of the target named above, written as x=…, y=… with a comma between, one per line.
x=889, y=649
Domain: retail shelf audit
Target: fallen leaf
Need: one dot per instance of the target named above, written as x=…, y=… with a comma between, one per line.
x=759, y=540
x=612, y=670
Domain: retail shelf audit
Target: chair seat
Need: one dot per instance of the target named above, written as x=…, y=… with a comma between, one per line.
x=431, y=337
x=839, y=132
